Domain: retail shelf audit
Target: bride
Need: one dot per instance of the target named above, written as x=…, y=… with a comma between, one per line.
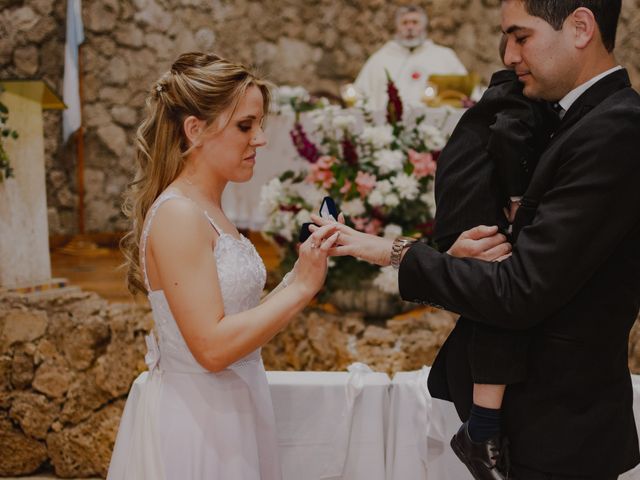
x=203, y=410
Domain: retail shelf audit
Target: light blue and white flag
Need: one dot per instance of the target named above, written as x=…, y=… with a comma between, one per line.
x=71, y=117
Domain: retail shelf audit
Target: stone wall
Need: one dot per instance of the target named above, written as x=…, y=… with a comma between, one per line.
x=320, y=44
x=67, y=363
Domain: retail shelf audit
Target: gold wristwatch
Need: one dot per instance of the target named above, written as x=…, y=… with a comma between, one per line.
x=399, y=244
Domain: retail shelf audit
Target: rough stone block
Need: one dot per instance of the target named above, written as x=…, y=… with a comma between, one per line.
x=21, y=455
x=52, y=379
x=34, y=413
x=85, y=450
x=21, y=326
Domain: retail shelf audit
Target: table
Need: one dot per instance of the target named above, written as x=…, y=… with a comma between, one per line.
x=359, y=425
x=240, y=200
x=635, y=473
x=420, y=428
x=331, y=425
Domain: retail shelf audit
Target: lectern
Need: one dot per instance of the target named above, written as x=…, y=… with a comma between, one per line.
x=24, y=234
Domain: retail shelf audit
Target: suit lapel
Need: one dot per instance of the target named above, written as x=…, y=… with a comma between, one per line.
x=595, y=95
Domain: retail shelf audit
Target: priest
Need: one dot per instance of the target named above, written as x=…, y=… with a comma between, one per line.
x=410, y=58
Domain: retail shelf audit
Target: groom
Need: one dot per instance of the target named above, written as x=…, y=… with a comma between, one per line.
x=574, y=276
x=575, y=272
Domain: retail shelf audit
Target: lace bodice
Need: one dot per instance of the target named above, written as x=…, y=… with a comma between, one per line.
x=241, y=274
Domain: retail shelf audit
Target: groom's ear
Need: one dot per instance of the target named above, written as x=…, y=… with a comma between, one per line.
x=584, y=26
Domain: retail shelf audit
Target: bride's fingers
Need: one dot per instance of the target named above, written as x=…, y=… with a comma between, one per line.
x=343, y=229
x=318, y=220
x=341, y=218
x=319, y=234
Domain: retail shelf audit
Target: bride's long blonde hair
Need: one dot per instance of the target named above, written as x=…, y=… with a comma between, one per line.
x=199, y=84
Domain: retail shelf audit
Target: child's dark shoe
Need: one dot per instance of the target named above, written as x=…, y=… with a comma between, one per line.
x=485, y=460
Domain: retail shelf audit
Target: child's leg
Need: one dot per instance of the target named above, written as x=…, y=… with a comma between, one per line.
x=498, y=358
x=488, y=396
x=484, y=418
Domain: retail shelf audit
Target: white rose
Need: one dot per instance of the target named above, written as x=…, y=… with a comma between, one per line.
x=380, y=136
x=270, y=196
x=311, y=193
x=387, y=280
x=407, y=186
x=388, y=161
x=432, y=137
x=391, y=200
x=303, y=216
x=392, y=231
x=353, y=208
x=287, y=225
x=429, y=199
x=376, y=198
x=344, y=122
x=384, y=187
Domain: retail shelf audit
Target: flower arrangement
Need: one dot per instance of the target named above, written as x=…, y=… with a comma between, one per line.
x=287, y=99
x=6, y=171
x=379, y=173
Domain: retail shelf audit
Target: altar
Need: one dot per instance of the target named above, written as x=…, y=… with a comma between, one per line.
x=241, y=200
x=363, y=425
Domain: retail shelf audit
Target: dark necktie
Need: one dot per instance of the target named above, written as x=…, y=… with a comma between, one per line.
x=558, y=109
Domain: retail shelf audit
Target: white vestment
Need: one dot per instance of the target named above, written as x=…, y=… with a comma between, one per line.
x=409, y=69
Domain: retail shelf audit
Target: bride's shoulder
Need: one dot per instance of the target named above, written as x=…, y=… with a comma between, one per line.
x=177, y=219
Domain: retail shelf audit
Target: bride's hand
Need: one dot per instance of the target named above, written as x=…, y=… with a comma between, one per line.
x=370, y=248
x=310, y=269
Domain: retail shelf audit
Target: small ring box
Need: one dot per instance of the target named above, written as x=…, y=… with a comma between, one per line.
x=328, y=209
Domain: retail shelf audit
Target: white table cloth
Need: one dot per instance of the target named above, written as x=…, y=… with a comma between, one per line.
x=331, y=425
x=240, y=200
x=635, y=473
x=420, y=428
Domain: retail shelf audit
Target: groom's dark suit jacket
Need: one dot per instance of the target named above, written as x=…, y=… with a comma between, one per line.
x=574, y=278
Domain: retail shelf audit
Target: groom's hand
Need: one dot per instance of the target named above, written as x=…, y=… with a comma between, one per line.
x=481, y=242
x=370, y=248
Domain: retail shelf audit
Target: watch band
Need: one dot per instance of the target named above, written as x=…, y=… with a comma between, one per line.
x=399, y=244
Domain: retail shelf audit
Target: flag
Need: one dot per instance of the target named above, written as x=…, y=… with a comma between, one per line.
x=71, y=117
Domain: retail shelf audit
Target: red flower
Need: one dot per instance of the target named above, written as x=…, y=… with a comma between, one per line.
x=394, y=105
x=349, y=151
x=304, y=146
x=415, y=75
x=426, y=228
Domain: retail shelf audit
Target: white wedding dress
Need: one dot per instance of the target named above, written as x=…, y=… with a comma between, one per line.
x=182, y=422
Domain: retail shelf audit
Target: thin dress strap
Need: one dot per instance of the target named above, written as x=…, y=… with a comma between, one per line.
x=215, y=226
x=163, y=197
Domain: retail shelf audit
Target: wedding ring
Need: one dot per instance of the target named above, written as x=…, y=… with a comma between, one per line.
x=313, y=245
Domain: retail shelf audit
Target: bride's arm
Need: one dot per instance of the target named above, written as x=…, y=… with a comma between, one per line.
x=285, y=282
x=184, y=267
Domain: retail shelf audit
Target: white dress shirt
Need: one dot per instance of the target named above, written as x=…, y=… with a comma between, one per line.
x=574, y=94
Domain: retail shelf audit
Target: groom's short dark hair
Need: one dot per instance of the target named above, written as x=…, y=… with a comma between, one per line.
x=555, y=12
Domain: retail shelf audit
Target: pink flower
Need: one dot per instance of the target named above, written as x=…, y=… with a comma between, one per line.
x=320, y=172
x=365, y=183
x=372, y=226
x=325, y=162
x=359, y=223
x=423, y=163
x=346, y=187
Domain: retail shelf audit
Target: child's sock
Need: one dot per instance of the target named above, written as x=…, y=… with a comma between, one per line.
x=484, y=423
